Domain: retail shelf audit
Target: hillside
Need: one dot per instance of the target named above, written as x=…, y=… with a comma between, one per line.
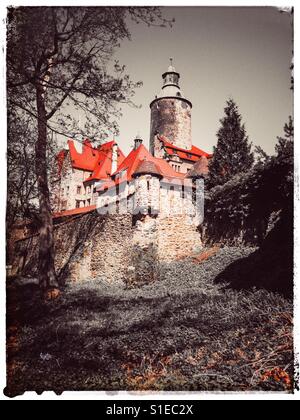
x=184, y=332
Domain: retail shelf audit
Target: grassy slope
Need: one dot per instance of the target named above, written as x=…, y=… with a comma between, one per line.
x=182, y=333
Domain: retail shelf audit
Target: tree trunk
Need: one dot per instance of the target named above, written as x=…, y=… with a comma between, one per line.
x=47, y=276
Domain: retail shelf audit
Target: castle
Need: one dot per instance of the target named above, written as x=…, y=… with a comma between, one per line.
x=122, y=217
x=156, y=181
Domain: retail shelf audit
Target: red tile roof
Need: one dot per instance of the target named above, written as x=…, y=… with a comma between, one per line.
x=96, y=160
x=132, y=161
x=199, y=169
x=147, y=167
x=73, y=212
x=192, y=154
x=102, y=169
x=85, y=160
x=60, y=159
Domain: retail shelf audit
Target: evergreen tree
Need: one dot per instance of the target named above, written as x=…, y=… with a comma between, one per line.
x=232, y=154
x=285, y=146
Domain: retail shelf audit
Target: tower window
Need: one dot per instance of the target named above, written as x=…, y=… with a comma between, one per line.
x=78, y=189
x=182, y=192
x=148, y=185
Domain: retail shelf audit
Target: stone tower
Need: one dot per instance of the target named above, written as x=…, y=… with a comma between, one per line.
x=171, y=113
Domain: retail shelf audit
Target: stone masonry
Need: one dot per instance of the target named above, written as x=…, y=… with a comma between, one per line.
x=171, y=116
x=115, y=247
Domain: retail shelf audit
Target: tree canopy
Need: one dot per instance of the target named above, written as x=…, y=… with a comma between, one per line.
x=68, y=51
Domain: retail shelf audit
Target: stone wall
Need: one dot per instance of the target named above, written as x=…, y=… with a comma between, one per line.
x=177, y=238
x=171, y=117
x=113, y=247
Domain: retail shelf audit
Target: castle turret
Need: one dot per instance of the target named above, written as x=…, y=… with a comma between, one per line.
x=171, y=113
x=147, y=188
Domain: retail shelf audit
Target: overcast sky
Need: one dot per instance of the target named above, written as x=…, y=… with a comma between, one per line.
x=220, y=52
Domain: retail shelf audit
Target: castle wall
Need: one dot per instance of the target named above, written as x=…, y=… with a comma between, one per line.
x=70, y=179
x=171, y=117
x=113, y=247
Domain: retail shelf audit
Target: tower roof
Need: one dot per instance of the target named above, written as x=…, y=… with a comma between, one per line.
x=199, y=169
x=147, y=167
x=171, y=88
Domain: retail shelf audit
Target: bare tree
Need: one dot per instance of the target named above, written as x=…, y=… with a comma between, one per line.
x=57, y=62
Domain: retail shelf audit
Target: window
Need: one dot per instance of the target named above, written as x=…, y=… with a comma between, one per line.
x=194, y=196
x=78, y=189
x=89, y=202
x=63, y=205
x=68, y=189
x=182, y=192
x=88, y=189
x=148, y=185
x=62, y=191
x=77, y=204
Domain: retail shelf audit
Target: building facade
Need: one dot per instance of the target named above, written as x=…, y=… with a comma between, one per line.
x=155, y=181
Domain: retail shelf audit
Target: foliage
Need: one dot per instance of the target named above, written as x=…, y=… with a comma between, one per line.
x=232, y=155
x=21, y=181
x=240, y=210
x=20, y=171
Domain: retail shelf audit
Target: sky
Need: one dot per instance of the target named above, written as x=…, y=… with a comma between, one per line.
x=220, y=52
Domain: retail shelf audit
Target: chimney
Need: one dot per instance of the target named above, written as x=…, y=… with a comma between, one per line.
x=137, y=141
x=114, y=158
